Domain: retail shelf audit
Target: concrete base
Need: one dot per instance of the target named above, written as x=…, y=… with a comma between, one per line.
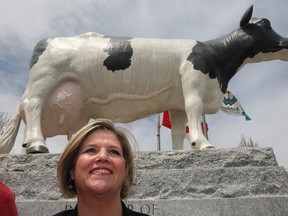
x=237, y=181
x=256, y=206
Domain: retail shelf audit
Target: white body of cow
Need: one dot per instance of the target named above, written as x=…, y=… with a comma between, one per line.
x=69, y=85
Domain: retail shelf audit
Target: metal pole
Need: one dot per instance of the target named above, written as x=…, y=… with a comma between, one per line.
x=205, y=132
x=158, y=134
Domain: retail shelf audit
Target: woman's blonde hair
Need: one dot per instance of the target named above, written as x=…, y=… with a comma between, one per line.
x=68, y=158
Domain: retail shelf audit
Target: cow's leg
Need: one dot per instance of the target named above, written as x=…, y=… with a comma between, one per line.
x=196, y=136
x=33, y=137
x=41, y=83
x=178, y=131
x=194, y=84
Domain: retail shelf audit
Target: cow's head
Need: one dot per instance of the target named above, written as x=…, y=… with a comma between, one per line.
x=266, y=44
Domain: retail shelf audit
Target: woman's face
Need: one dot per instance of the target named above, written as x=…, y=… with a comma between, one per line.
x=100, y=166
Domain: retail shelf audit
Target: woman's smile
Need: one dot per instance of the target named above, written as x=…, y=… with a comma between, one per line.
x=101, y=170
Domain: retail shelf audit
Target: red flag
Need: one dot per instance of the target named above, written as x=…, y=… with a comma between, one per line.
x=167, y=123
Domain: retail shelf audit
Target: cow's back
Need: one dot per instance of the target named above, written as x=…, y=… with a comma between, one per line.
x=108, y=65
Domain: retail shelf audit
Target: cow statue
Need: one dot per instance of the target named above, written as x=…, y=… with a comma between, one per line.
x=75, y=79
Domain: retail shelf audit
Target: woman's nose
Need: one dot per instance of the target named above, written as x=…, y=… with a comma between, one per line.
x=103, y=155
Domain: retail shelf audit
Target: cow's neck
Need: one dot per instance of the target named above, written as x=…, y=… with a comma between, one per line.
x=220, y=58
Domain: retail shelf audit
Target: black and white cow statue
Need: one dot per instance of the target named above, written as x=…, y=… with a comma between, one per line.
x=75, y=79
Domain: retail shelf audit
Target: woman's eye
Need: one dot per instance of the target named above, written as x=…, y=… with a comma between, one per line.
x=115, y=152
x=90, y=150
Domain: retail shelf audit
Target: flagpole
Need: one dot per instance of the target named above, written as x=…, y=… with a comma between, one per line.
x=204, y=126
x=158, y=134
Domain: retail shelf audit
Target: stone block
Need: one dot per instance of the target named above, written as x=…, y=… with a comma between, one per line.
x=235, y=181
x=250, y=206
x=230, y=157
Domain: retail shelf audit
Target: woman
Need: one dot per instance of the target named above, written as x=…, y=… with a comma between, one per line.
x=97, y=166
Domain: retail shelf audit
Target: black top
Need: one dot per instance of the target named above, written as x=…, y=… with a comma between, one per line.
x=125, y=212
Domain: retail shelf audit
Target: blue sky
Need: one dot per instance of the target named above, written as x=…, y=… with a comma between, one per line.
x=261, y=88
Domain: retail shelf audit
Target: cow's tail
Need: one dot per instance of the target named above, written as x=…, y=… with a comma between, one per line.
x=7, y=139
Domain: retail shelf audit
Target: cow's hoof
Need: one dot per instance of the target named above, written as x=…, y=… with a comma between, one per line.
x=208, y=146
x=201, y=146
x=37, y=149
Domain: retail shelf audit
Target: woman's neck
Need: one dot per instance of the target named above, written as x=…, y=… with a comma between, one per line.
x=99, y=206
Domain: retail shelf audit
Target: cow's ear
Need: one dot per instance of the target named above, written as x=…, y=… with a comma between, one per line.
x=246, y=16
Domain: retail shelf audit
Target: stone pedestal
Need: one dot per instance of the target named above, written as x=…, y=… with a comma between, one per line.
x=236, y=181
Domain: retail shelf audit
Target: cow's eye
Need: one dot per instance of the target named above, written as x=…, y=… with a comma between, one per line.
x=265, y=21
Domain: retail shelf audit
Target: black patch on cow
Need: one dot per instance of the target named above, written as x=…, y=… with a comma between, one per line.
x=213, y=59
x=120, y=52
x=38, y=50
x=221, y=58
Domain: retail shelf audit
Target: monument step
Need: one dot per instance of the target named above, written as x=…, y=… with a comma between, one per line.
x=168, y=183
x=236, y=181
x=210, y=158
x=231, y=157
x=252, y=206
